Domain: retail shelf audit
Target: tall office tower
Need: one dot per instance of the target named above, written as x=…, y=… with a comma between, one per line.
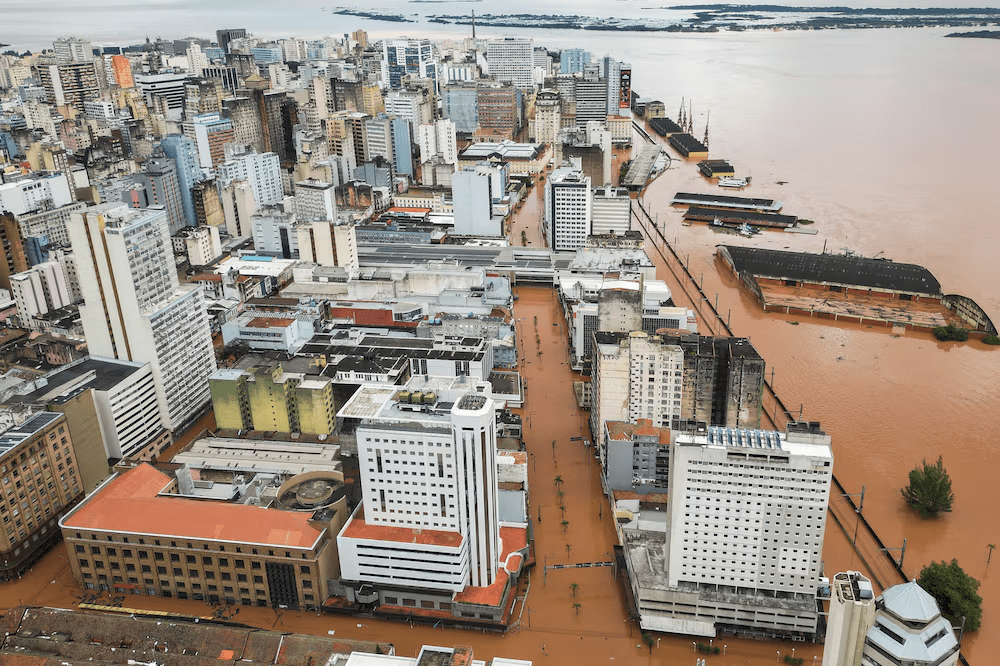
x=201, y=96
x=68, y=84
x=568, y=209
x=548, y=117
x=184, y=152
x=406, y=56
x=261, y=170
x=223, y=37
x=228, y=77
x=158, y=184
x=238, y=207
x=511, y=60
x=472, y=194
x=345, y=95
x=611, y=213
x=591, y=99
x=14, y=259
x=197, y=61
x=123, y=71
x=746, y=513
x=415, y=105
x=378, y=139
x=402, y=145
x=572, y=61
x=315, y=200
x=35, y=443
x=38, y=290
x=163, y=91
x=438, y=140
x=63, y=255
x=498, y=109
x=452, y=509
x=274, y=232
x=611, y=70
x=460, y=104
x=134, y=309
x=211, y=133
x=71, y=49
x=852, y=614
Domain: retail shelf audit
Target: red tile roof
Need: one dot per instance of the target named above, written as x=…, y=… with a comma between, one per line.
x=358, y=528
x=129, y=503
x=514, y=539
x=491, y=595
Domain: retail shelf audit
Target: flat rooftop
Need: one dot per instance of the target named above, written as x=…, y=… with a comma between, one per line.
x=131, y=502
x=237, y=455
x=19, y=433
x=358, y=528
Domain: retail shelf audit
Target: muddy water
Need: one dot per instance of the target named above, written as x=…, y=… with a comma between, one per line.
x=888, y=401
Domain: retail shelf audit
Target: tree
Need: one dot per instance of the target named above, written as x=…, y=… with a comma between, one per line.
x=565, y=525
x=955, y=593
x=576, y=607
x=648, y=640
x=989, y=557
x=559, y=479
x=575, y=587
x=929, y=491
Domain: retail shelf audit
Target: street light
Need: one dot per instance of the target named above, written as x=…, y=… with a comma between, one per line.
x=694, y=646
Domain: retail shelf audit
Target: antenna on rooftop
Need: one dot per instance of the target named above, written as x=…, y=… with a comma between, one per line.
x=473, y=23
x=690, y=117
x=680, y=115
x=706, y=128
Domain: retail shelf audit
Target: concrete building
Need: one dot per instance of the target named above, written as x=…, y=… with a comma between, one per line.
x=548, y=116
x=134, y=308
x=568, y=209
x=224, y=542
x=328, y=243
x=37, y=192
x=39, y=290
x=315, y=200
x=163, y=91
x=572, y=61
x=48, y=225
x=158, y=184
x=38, y=458
x=852, y=614
x=460, y=104
x=611, y=212
x=438, y=140
x=436, y=538
x=401, y=57
x=262, y=171
x=263, y=331
x=211, y=133
x=498, y=111
x=184, y=152
x=472, y=194
x=71, y=49
x=591, y=99
x=202, y=244
x=638, y=456
x=14, y=259
x=274, y=232
x=238, y=207
x=414, y=105
x=68, y=84
x=744, y=562
x=511, y=60
x=271, y=396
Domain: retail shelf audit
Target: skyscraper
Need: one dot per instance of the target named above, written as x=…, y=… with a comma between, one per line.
x=261, y=170
x=134, y=308
x=184, y=152
x=511, y=60
x=406, y=56
x=158, y=184
x=568, y=203
x=223, y=37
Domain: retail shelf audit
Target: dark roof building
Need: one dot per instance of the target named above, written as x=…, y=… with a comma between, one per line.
x=832, y=269
x=665, y=126
x=687, y=145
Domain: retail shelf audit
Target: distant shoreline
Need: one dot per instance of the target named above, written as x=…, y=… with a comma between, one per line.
x=717, y=18
x=980, y=34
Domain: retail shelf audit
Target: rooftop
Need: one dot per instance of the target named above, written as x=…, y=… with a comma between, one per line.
x=18, y=434
x=131, y=502
x=358, y=528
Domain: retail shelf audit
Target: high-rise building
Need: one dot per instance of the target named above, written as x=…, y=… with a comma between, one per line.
x=158, y=184
x=208, y=208
x=406, y=56
x=548, y=116
x=184, y=152
x=163, y=91
x=211, y=133
x=29, y=450
x=460, y=104
x=238, y=207
x=69, y=84
x=591, y=98
x=315, y=200
x=448, y=519
x=134, y=309
x=572, y=61
x=852, y=614
x=223, y=37
x=568, y=209
x=472, y=194
x=40, y=289
x=122, y=69
x=71, y=49
x=14, y=259
x=612, y=212
x=908, y=628
x=438, y=140
x=38, y=192
x=274, y=232
x=511, y=60
x=414, y=105
x=498, y=109
x=261, y=170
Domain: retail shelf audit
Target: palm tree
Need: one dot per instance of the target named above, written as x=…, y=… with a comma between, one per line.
x=565, y=524
x=559, y=479
x=569, y=547
x=991, y=546
x=574, y=587
x=576, y=607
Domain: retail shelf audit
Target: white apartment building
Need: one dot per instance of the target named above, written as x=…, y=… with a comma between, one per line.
x=852, y=613
x=746, y=516
x=511, y=60
x=568, y=209
x=71, y=49
x=274, y=232
x=196, y=60
x=261, y=170
x=412, y=105
x=99, y=109
x=548, y=116
x=134, y=308
x=612, y=212
x=430, y=515
x=238, y=207
x=202, y=244
x=472, y=200
x=38, y=290
x=46, y=189
x=438, y=140
x=315, y=200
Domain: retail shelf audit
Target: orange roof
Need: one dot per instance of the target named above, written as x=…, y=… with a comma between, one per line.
x=269, y=322
x=491, y=595
x=130, y=503
x=408, y=209
x=513, y=563
x=514, y=539
x=357, y=528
